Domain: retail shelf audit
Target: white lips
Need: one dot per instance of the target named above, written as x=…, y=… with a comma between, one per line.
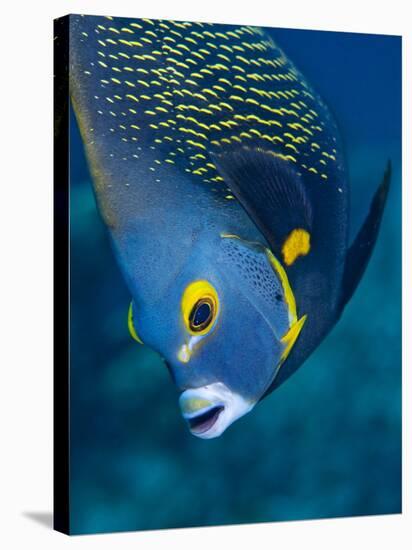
x=198, y=401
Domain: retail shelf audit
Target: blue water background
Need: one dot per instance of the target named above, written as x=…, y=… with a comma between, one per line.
x=328, y=442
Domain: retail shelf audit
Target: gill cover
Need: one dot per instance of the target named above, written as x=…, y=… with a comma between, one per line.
x=263, y=278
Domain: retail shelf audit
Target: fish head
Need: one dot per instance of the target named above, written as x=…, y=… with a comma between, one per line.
x=224, y=326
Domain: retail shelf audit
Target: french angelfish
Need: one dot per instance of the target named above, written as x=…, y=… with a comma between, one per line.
x=220, y=176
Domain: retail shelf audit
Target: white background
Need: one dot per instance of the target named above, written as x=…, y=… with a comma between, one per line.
x=26, y=271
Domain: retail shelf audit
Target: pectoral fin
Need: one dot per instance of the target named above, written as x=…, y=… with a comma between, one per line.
x=274, y=197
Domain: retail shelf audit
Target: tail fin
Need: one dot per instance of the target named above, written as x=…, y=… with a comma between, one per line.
x=360, y=251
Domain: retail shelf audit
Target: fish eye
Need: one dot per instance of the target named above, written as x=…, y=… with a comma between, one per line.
x=200, y=306
x=201, y=315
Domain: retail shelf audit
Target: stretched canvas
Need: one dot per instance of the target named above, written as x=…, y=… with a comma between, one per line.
x=227, y=215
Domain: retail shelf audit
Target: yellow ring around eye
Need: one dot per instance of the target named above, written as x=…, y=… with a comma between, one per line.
x=195, y=292
x=130, y=324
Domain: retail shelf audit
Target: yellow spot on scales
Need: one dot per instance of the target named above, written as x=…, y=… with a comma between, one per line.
x=296, y=244
x=195, y=144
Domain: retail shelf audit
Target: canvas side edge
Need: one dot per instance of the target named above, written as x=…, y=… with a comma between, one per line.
x=61, y=249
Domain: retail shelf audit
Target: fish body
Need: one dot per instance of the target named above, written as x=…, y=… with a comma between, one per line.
x=220, y=175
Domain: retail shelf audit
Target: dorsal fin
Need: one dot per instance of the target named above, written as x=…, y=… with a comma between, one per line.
x=360, y=251
x=269, y=189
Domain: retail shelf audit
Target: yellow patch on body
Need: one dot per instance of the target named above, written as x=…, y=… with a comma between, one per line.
x=297, y=244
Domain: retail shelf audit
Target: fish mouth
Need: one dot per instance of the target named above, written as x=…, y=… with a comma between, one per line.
x=203, y=422
x=209, y=410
